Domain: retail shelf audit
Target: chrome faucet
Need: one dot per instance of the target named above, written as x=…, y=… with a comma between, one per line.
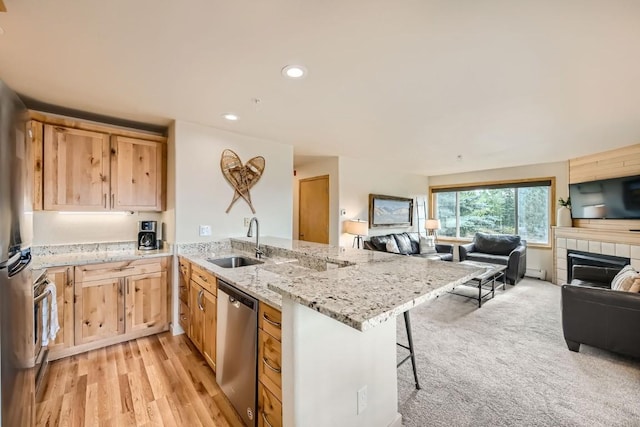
x=259, y=253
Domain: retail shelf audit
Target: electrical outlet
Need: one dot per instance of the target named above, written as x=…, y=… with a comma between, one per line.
x=362, y=399
x=247, y=221
x=205, y=230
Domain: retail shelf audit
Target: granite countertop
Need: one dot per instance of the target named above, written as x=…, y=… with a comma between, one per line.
x=357, y=287
x=90, y=253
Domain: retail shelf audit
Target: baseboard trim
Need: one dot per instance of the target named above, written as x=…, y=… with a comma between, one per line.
x=397, y=422
x=83, y=348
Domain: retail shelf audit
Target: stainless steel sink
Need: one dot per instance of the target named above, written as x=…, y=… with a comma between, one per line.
x=234, y=261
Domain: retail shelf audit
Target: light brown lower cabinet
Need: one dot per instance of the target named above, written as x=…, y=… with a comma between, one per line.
x=146, y=301
x=63, y=278
x=184, y=284
x=202, y=329
x=109, y=303
x=99, y=310
x=269, y=366
x=269, y=408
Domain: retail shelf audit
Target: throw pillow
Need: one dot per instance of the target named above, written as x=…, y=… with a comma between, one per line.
x=392, y=246
x=635, y=287
x=624, y=279
x=380, y=242
x=404, y=243
x=426, y=245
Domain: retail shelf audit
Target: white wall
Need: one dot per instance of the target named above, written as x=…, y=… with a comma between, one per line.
x=323, y=166
x=359, y=178
x=536, y=258
x=202, y=194
x=50, y=228
x=325, y=363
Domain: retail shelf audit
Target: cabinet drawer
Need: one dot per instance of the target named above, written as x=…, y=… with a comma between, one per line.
x=204, y=279
x=271, y=320
x=270, y=363
x=185, y=268
x=183, y=291
x=184, y=316
x=114, y=270
x=269, y=408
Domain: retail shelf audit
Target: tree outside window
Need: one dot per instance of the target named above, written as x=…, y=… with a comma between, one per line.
x=517, y=209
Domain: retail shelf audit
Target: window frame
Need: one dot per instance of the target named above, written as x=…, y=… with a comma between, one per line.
x=434, y=189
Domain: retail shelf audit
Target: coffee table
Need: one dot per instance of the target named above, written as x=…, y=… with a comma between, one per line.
x=484, y=282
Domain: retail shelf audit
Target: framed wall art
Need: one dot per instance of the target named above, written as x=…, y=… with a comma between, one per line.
x=390, y=211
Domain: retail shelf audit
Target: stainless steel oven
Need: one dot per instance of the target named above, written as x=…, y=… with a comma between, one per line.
x=41, y=296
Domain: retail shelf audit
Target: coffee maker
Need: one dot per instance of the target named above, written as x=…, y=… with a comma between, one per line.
x=147, y=235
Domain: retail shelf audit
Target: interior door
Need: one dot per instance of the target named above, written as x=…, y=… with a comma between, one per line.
x=314, y=209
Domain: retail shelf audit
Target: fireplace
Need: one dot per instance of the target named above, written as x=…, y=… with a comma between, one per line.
x=597, y=260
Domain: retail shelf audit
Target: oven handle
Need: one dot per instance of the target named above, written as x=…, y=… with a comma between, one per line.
x=40, y=297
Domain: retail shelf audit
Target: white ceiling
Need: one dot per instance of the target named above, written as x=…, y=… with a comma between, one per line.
x=417, y=83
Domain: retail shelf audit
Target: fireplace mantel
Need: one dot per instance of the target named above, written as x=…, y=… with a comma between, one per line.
x=598, y=241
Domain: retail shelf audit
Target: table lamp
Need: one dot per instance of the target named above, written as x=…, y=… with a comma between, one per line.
x=432, y=226
x=358, y=228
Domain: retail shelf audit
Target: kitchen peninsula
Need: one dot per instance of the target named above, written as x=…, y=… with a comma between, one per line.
x=338, y=335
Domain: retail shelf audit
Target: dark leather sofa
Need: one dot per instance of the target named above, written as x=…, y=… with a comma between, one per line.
x=408, y=244
x=595, y=315
x=504, y=249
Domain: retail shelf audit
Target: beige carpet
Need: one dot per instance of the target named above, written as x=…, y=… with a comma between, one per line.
x=506, y=364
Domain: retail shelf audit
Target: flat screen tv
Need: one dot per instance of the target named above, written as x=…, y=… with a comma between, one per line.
x=616, y=198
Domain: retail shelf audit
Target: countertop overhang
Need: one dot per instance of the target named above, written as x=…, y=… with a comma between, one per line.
x=357, y=287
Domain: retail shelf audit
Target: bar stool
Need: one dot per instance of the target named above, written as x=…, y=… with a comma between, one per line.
x=407, y=324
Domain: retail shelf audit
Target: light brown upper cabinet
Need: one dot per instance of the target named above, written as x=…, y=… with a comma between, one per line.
x=136, y=174
x=76, y=169
x=95, y=170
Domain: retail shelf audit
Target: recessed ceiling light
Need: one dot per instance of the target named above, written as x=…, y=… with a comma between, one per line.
x=294, y=71
x=230, y=116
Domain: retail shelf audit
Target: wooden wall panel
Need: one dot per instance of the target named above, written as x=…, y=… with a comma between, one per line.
x=609, y=164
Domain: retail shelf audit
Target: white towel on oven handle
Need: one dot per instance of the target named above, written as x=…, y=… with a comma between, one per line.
x=50, y=325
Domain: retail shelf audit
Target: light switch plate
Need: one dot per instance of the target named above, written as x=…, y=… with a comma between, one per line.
x=362, y=400
x=205, y=230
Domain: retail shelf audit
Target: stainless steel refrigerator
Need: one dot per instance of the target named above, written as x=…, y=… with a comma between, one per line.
x=17, y=358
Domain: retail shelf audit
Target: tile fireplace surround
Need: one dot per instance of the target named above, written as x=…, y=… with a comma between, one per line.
x=597, y=241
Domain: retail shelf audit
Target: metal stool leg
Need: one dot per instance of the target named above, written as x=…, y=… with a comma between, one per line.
x=412, y=356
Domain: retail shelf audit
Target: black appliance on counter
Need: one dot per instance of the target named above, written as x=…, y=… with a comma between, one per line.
x=148, y=235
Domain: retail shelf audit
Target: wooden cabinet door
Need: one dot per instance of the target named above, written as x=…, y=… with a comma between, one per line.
x=137, y=174
x=76, y=169
x=99, y=310
x=146, y=301
x=196, y=326
x=63, y=278
x=183, y=280
x=209, y=303
x=35, y=131
x=270, y=362
x=269, y=408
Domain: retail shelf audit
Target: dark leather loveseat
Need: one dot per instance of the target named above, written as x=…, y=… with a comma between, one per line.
x=408, y=244
x=595, y=315
x=504, y=249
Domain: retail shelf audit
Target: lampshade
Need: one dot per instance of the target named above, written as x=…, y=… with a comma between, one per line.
x=432, y=224
x=357, y=227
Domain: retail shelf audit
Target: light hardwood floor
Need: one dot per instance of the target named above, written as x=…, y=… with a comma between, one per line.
x=161, y=380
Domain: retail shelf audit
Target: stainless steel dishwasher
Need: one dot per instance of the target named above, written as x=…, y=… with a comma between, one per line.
x=236, y=349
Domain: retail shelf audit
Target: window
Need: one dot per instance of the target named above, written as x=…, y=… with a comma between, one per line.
x=522, y=208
